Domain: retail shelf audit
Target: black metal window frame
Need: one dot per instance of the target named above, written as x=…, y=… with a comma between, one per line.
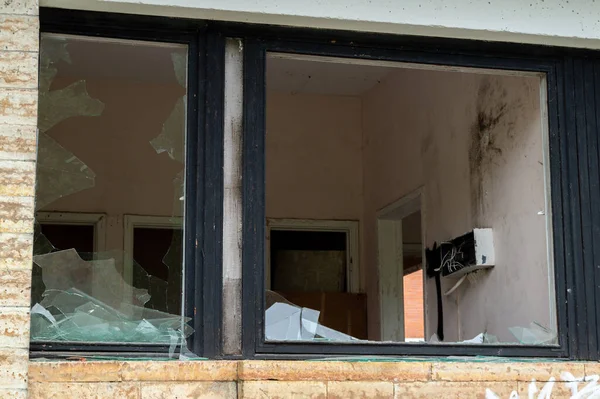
x=573, y=85
x=574, y=183
x=203, y=173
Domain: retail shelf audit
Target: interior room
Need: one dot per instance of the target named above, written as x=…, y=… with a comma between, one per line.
x=424, y=170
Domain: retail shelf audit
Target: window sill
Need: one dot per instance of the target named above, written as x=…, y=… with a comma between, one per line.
x=401, y=374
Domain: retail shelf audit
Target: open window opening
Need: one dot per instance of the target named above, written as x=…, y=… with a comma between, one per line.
x=434, y=164
x=112, y=123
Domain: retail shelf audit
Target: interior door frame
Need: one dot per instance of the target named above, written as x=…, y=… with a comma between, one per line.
x=130, y=222
x=350, y=227
x=97, y=220
x=395, y=212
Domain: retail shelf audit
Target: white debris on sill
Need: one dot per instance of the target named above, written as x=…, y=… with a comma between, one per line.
x=286, y=322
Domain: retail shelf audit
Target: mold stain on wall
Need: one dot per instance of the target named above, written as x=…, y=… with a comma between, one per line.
x=491, y=133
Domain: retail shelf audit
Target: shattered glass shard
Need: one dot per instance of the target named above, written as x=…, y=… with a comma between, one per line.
x=173, y=259
x=63, y=270
x=41, y=244
x=89, y=301
x=179, y=190
x=53, y=50
x=180, y=68
x=59, y=172
x=534, y=334
x=285, y=321
x=171, y=138
x=58, y=105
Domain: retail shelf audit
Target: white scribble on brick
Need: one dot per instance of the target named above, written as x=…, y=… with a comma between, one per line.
x=581, y=388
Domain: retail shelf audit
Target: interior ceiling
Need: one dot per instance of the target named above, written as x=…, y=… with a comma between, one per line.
x=322, y=77
x=151, y=62
x=116, y=59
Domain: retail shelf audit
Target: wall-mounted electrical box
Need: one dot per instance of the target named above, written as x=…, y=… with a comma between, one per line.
x=464, y=254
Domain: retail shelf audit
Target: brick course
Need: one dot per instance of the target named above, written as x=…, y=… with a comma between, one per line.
x=298, y=379
x=19, y=29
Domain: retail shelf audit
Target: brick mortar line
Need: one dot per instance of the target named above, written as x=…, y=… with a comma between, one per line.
x=9, y=88
x=20, y=14
x=12, y=269
x=20, y=51
x=17, y=196
x=19, y=124
x=154, y=382
x=15, y=89
x=191, y=381
x=14, y=307
x=430, y=374
x=17, y=160
x=22, y=159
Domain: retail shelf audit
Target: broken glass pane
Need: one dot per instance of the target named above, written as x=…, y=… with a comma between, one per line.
x=59, y=171
x=96, y=292
x=60, y=104
x=90, y=301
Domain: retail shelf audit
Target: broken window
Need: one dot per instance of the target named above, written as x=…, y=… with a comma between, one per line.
x=112, y=122
x=370, y=205
x=444, y=171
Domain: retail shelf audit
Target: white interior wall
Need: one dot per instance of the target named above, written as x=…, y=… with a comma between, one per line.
x=418, y=129
x=313, y=157
x=388, y=175
x=550, y=22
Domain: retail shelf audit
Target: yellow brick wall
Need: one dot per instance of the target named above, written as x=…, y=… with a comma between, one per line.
x=300, y=379
x=18, y=120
